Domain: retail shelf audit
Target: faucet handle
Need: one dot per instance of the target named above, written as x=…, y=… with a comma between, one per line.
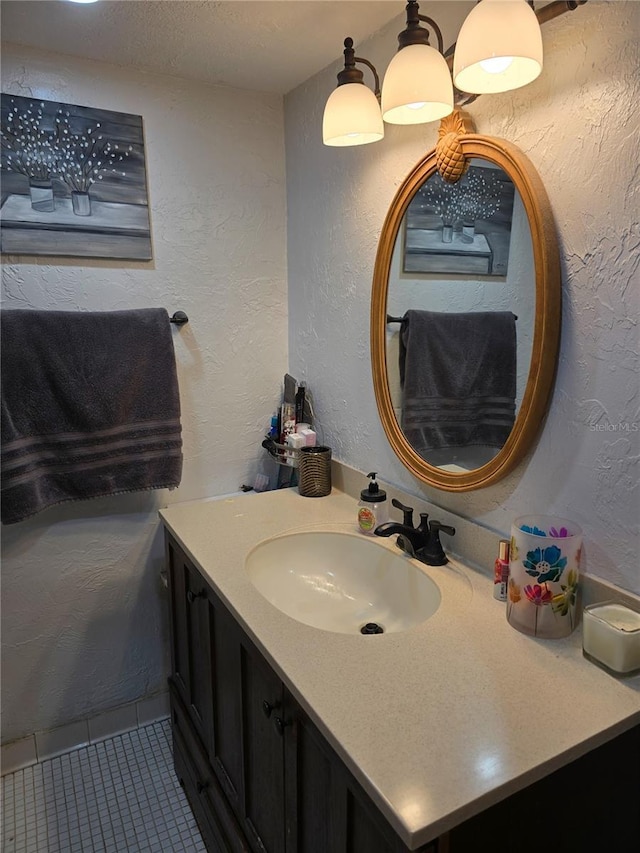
x=433, y=553
x=437, y=526
x=407, y=512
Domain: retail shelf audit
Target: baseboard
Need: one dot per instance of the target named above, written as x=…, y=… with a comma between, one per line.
x=46, y=744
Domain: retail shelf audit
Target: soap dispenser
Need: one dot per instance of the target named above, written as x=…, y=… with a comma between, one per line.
x=372, y=507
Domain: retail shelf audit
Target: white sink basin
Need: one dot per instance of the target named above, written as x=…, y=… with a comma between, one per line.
x=341, y=581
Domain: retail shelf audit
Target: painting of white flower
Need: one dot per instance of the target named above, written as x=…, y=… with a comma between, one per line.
x=461, y=228
x=73, y=181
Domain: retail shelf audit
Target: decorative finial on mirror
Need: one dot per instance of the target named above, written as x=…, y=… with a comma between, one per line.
x=450, y=159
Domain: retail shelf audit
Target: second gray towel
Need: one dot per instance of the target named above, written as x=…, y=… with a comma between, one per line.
x=458, y=376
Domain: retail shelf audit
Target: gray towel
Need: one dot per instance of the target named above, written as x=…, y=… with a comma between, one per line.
x=458, y=375
x=90, y=407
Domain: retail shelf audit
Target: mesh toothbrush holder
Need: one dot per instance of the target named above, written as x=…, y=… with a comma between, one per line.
x=314, y=472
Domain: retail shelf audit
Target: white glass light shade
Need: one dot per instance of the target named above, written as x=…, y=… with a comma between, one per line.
x=352, y=116
x=499, y=48
x=417, y=87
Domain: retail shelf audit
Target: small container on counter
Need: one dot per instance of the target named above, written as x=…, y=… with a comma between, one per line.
x=611, y=637
x=315, y=471
x=287, y=421
x=372, y=507
x=501, y=571
x=544, y=573
x=294, y=442
x=308, y=435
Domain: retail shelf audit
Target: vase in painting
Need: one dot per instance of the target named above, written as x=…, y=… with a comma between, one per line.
x=81, y=203
x=41, y=193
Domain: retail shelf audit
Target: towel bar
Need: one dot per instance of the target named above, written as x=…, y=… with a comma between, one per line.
x=391, y=319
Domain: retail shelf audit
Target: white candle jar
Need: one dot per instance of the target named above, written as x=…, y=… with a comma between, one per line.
x=544, y=569
x=611, y=637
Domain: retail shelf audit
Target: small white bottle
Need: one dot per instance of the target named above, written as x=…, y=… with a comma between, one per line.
x=372, y=507
x=294, y=441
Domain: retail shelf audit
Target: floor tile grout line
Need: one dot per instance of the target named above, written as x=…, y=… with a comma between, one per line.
x=105, y=768
x=72, y=819
x=83, y=791
x=133, y=805
x=101, y=816
x=132, y=802
x=51, y=817
x=146, y=759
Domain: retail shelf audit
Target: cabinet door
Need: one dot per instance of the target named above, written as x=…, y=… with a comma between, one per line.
x=310, y=790
x=264, y=724
x=190, y=646
x=327, y=810
x=226, y=667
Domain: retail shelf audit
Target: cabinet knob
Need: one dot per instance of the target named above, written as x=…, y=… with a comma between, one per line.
x=280, y=725
x=191, y=596
x=267, y=708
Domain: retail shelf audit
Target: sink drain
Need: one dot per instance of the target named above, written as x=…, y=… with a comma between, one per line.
x=372, y=628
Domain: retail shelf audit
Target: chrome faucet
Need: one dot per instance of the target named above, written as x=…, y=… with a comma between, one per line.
x=421, y=542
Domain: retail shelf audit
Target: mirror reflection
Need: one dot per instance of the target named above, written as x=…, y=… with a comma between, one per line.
x=460, y=317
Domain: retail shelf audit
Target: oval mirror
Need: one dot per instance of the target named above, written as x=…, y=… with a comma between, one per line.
x=465, y=316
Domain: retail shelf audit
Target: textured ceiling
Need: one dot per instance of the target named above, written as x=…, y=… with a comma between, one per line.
x=265, y=45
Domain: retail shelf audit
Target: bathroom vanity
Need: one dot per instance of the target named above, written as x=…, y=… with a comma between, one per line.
x=456, y=734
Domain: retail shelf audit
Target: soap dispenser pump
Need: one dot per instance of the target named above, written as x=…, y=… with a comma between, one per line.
x=372, y=507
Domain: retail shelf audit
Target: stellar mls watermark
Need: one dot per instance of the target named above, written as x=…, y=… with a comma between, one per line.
x=622, y=426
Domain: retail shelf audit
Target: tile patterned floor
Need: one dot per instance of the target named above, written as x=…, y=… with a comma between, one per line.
x=116, y=796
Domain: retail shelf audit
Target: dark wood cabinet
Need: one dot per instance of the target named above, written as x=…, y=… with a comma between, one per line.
x=261, y=778
x=259, y=775
x=262, y=742
x=190, y=661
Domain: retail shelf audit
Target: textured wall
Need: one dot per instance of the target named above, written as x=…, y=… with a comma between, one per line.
x=82, y=608
x=578, y=125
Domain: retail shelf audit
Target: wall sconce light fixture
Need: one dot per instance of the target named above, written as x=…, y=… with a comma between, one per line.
x=417, y=87
x=499, y=48
x=352, y=114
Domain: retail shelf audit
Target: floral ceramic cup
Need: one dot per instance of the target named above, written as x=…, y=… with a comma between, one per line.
x=544, y=568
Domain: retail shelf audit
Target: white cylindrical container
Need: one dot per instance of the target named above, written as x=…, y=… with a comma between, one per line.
x=295, y=441
x=611, y=637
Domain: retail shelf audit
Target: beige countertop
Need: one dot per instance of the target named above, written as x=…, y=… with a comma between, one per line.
x=436, y=723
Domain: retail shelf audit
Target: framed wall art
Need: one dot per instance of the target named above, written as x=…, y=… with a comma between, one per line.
x=73, y=181
x=461, y=228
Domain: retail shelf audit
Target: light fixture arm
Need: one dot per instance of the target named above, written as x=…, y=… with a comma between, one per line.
x=414, y=33
x=351, y=74
x=436, y=29
x=558, y=7
x=370, y=65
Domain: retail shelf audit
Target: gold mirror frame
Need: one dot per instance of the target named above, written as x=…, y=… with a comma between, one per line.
x=546, y=334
